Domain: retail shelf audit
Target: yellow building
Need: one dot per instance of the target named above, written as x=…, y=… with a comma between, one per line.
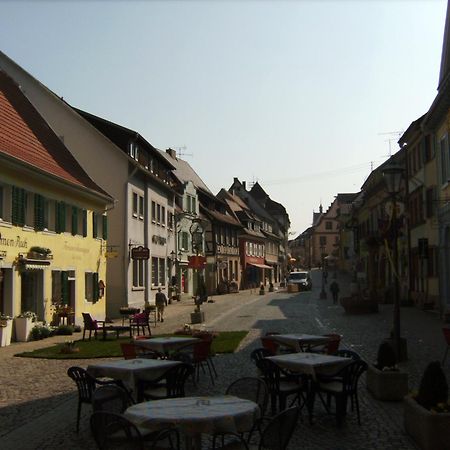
x=52, y=219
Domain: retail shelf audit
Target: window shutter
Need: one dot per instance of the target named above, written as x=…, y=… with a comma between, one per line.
x=84, y=223
x=105, y=227
x=39, y=217
x=95, y=287
x=65, y=288
x=18, y=206
x=62, y=219
x=94, y=224
x=74, y=220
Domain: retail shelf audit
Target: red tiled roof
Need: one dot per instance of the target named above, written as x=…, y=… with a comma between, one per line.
x=25, y=136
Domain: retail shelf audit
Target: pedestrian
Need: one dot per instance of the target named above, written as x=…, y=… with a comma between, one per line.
x=334, y=288
x=325, y=276
x=161, y=302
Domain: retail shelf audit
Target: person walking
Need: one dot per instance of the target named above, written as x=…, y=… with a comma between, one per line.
x=334, y=288
x=161, y=302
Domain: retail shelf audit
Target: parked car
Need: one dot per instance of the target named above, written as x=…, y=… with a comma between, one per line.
x=303, y=279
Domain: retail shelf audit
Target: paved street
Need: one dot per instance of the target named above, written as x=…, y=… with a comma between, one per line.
x=38, y=400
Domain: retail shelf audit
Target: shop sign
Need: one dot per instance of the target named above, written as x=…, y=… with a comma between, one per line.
x=159, y=240
x=13, y=242
x=225, y=250
x=140, y=253
x=196, y=262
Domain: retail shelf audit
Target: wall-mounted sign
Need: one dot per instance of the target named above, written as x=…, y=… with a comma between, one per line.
x=159, y=240
x=140, y=253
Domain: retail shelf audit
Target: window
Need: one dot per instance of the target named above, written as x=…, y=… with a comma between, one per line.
x=138, y=206
x=91, y=286
x=40, y=212
x=74, y=220
x=158, y=271
x=191, y=204
x=170, y=218
x=60, y=287
x=322, y=241
x=153, y=212
x=84, y=223
x=135, y=204
x=138, y=273
x=163, y=215
x=18, y=206
x=94, y=225
x=158, y=214
x=134, y=151
x=184, y=240
x=443, y=144
x=328, y=225
x=60, y=217
x=141, y=207
x=162, y=271
x=104, y=227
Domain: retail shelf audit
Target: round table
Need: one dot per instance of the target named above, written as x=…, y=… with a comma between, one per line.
x=196, y=415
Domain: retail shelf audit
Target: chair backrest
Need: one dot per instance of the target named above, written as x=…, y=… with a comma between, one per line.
x=250, y=388
x=112, y=430
x=344, y=352
x=258, y=354
x=271, y=374
x=201, y=350
x=110, y=398
x=350, y=375
x=176, y=378
x=446, y=332
x=270, y=345
x=277, y=434
x=89, y=322
x=332, y=345
x=128, y=350
x=203, y=335
x=140, y=318
x=85, y=383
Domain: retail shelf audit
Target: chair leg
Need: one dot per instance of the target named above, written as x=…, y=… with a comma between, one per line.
x=208, y=364
x=84, y=333
x=212, y=365
x=78, y=415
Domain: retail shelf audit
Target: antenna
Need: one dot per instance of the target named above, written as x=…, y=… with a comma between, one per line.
x=181, y=151
x=397, y=134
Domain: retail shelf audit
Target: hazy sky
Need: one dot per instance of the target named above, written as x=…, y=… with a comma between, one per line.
x=296, y=94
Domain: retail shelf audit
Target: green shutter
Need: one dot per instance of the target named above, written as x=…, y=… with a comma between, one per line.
x=84, y=223
x=65, y=288
x=94, y=224
x=105, y=227
x=95, y=287
x=62, y=218
x=39, y=212
x=18, y=206
x=74, y=220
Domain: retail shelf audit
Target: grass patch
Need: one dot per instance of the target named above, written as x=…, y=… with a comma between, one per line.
x=224, y=342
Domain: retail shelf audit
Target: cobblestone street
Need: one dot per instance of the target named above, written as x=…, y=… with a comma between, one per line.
x=38, y=400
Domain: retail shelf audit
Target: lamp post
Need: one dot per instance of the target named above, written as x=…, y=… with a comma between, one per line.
x=393, y=177
x=323, y=293
x=197, y=232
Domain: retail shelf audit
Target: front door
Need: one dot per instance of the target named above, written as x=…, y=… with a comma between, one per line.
x=32, y=292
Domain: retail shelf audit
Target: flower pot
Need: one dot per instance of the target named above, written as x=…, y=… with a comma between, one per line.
x=23, y=326
x=5, y=332
x=197, y=317
x=387, y=385
x=430, y=430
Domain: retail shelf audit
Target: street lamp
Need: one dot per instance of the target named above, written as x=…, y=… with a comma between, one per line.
x=323, y=293
x=197, y=230
x=392, y=174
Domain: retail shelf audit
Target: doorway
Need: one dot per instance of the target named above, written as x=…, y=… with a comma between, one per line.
x=32, y=292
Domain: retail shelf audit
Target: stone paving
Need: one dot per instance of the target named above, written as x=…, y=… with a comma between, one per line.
x=38, y=400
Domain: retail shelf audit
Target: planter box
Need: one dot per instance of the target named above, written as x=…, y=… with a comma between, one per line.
x=5, y=333
x=23, y=326
x=387, y=385
x=197, y=317
x=291, y=287
x=430, y=431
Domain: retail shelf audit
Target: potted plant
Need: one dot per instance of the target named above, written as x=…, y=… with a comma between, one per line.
x=427, y=414
x=23, y=325
x=39, y=253
x=384, y=379
x=5, y=330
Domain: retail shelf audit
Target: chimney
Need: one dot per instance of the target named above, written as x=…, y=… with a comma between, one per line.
x=320, y=209
x=172, y=153
x=235, y=180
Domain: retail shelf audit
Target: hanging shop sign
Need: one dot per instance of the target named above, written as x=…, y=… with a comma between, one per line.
x=140, y=253
x=196, y=262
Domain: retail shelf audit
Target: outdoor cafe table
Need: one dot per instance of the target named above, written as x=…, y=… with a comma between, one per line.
x=130, y=371
x=165, y=345
x=196, y=415
x=298, y=341
x=311, y=365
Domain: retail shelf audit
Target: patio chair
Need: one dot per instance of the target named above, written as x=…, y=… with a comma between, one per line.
x=111, y=398
x=446, y=332
x=114, y=431
x=259, y=353
x=86, y=385
x=275, y=436
x=281, y=385
x=128, y=350
x=139, y=322
x=207, y=336
x=169, y=385
x=91, y=325
x=270, y=345
x=346, y=353
x=342, y=385
x=330, y=347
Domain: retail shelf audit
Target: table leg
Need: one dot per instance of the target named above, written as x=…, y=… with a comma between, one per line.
x=193, y=442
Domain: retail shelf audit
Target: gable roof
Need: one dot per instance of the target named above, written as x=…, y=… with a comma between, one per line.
x=27, y=138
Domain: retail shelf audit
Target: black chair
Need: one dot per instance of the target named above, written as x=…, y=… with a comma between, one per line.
x=281, y=385
x=345, y=353
x=275, y=436
x=111, y=398
x=86, y=385
x=258, y=354
x=169, y=385
x=342, y=385
x=113, y=431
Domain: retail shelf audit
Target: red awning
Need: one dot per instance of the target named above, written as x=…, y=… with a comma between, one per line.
x=261, y=266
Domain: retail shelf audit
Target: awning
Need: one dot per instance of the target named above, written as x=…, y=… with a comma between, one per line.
x=261, y=266
x=34, y=264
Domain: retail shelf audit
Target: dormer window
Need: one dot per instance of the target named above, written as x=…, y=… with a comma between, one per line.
x=134, y=150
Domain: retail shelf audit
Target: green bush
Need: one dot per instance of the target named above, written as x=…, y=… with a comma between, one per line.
x=64, y=330
x=39, y=332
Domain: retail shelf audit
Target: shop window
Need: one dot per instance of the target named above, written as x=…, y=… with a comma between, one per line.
x=154, y=271
x=138, y=273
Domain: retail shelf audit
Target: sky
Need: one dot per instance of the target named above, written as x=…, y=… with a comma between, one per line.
x=305, y=97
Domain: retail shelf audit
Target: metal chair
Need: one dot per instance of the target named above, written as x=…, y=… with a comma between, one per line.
x=139, y=322
x=259, y=354
x=111, y=398
x=270, y=345
x=114, y=431
x=342, y=385
x=346, y=353
x=91, y=325
x=86, y=385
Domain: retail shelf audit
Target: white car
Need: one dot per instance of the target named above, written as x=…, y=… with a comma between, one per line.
x=302, y=279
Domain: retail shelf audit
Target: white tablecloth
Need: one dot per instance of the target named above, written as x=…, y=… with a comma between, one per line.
x=196, y=415
x=297, y=341
x=166, y=344
x=310, y=363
